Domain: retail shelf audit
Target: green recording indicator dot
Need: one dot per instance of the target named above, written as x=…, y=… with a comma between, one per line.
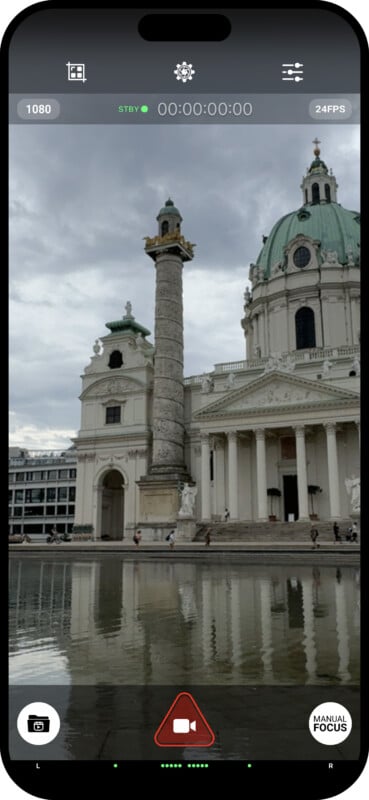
x=144, y=109
x=249, y=765
x=115, y=765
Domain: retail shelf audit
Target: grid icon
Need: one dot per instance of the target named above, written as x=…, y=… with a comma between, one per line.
x=76, y=72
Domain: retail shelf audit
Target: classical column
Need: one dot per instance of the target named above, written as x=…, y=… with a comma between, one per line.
x=205, y=476
x=219, y=476
x=232, y=475
x=333, y=477
x=261, y=474
x=301, y=473
x=357, y=423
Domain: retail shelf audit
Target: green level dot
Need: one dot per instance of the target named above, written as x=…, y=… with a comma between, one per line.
x=144, y=109
x=115, y=765
x=249, y=765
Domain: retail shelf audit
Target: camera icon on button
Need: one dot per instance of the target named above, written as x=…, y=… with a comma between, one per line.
x=38, y=723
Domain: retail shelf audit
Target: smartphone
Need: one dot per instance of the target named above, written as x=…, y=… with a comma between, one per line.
x=184, y=549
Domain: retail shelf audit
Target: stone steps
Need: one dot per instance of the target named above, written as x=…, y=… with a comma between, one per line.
x=270, y=531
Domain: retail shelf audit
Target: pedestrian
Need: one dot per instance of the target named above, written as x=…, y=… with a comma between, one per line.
x=171, y=539
x=352, y=537
x=226, y=514
x=336, y=532
x=207, y=537
x=137, y=536
x=314, y=533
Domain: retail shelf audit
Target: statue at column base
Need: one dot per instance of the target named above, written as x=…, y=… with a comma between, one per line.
x=188, y=496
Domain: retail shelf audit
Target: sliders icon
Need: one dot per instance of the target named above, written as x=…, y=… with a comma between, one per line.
x=293, y=72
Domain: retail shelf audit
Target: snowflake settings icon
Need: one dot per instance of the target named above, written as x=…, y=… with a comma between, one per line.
x=184, y=72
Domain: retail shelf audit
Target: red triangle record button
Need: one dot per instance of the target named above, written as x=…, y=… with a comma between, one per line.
x=184, y=725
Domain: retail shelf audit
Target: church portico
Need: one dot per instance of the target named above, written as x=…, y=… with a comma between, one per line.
x=289, y=472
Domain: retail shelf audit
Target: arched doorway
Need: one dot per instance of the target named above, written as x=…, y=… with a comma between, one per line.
x=112, y=505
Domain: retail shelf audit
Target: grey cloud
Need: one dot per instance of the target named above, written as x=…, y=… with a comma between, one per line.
x=82, y=199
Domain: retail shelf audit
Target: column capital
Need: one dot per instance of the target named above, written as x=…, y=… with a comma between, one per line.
x=356, y=422
x=260, y=433
x=299, y=430
x=205, y=438
x=232, y=436
x=330, y=427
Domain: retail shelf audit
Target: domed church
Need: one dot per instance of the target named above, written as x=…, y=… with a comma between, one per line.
x=273, y=437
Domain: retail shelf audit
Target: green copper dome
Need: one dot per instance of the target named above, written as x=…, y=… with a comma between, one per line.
x=169, y=208
x=334, y=227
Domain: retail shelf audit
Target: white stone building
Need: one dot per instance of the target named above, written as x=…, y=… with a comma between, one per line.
x=274, y=435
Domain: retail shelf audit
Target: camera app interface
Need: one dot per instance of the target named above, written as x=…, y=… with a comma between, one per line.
x=184, y=462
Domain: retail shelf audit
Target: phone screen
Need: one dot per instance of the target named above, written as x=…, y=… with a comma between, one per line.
x=185, y=372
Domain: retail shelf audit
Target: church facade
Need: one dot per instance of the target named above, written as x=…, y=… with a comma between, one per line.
x=273, y=437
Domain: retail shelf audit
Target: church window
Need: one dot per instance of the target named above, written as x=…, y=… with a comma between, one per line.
x=327, y=190
x=115, y=360
x=315, y=193
x=301, y=257
x=112, y=415
x=352, y=373
x=306, y=196
x=164, y=227
x=305, y=328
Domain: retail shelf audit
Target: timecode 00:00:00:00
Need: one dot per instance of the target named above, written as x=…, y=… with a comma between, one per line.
x=196, y=109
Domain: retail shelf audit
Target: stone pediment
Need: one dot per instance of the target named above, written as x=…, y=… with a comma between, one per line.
x=111, y=387
x=279, y=392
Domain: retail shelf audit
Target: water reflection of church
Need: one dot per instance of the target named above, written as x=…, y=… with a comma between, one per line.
x=281, y=426
x=126, y=622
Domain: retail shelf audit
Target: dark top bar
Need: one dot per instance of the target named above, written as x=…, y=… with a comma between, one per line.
x=117, y=58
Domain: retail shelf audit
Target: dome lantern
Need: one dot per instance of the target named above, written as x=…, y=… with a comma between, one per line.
x=319, y=186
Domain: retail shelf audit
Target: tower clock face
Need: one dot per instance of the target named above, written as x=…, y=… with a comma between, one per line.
x=301, y=257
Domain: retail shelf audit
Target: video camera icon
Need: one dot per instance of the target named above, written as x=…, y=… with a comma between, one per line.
x=183, y=725
x=37, y=724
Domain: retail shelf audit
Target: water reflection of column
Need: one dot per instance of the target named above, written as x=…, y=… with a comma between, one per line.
x=266, y=629
x=309, y=644
x=207, y=615
x=236, y=621
x=343, y=646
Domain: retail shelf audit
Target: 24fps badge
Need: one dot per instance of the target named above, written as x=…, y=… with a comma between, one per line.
x=184, y=725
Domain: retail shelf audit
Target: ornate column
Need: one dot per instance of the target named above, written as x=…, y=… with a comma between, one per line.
x=301, y=473
x=261, y=474
x=205, y=476
x=333, y=476
x=232, y=474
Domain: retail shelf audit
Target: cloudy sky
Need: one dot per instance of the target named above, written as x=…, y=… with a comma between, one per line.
x=81, y=200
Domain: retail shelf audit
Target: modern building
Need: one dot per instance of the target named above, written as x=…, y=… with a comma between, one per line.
x=42, y=491
x=280, y=427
